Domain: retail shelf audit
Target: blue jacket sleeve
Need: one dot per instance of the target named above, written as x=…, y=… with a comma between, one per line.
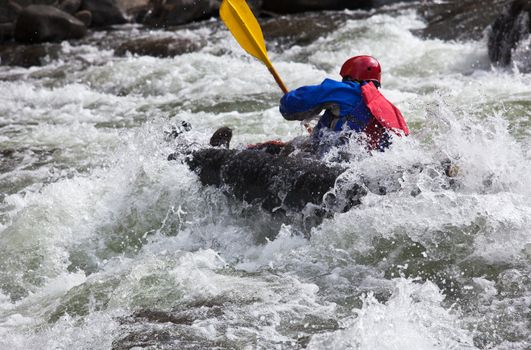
x=308, y=101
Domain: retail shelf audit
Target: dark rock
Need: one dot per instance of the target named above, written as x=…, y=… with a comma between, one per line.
x=507, y=31
x=85, y=17
x=9, y=11
x=70, y=6
x=177, y=12
x=176, y=316
x=158, y=47
x=172, y=329
x=303, y=29
x=154, y=339
x=27, y=55
x=447, y=20
x=164, y=13
x=163, y=317
x=135, y=10
x=40, y=23
x=6, y=31
x=14, y=6
x=380, y=3
x=255, y=5
x=104, y=12
x=25, y=3
x=293, y=6
x=460, y=19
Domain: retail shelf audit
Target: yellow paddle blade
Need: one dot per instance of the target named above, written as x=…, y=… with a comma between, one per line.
x=243, y=25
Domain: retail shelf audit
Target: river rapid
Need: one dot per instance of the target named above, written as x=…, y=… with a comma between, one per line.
x=106, y=244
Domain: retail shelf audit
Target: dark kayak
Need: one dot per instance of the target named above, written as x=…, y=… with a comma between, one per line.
x=275, y=182
x=279, y=180
x=290, y=184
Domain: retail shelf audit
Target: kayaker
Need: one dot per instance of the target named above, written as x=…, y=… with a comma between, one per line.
x=351, y=105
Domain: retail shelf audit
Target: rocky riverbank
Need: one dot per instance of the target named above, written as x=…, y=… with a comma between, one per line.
x=26, y=24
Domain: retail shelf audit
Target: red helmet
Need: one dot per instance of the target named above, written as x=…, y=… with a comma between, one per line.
x=362, y=68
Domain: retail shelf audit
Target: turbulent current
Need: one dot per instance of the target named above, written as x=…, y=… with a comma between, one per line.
x=106, y=244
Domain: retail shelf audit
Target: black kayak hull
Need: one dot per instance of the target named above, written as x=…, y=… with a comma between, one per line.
x=274, y=181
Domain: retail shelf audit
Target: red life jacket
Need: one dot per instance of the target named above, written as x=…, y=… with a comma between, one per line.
x=386, y=114
x=262, y=145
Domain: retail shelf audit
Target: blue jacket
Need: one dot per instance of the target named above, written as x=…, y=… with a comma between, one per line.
x=342, y=100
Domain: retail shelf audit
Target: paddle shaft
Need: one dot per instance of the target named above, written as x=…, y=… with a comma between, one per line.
x=279, y=81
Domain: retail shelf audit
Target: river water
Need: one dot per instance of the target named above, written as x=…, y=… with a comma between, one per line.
x=105, y=244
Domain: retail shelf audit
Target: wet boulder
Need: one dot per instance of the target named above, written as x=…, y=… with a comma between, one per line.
x=304, y=28
x=85, y=17
x=459, y=19
x=293, y=6
x=509, y=36
x=255, y=5
x=169, y=329
x=41, y=23
x=177, y=12
x=9, y=11
x=6, y=31
x=13, y=54
x=104, y=12
x=25, y=3
x=70, y=6
x=158, y=47
x=134, y=10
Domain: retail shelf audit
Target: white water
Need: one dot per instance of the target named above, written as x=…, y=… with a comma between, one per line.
x=96, y=224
